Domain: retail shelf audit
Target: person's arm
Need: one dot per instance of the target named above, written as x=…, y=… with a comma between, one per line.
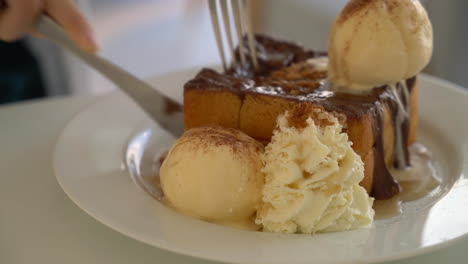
x=18, y=17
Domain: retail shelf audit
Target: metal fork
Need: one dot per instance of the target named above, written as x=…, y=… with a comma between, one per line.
x=240, y=13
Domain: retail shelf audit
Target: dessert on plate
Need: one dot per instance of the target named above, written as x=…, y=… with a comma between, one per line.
x=334, y=125
x=253, y=105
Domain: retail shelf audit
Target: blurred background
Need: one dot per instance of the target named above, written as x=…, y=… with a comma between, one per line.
x=151, y=37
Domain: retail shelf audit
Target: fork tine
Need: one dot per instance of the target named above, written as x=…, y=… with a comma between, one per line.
x=217, y=31
x=238, y=23
x=250, y=36
x=227, y=29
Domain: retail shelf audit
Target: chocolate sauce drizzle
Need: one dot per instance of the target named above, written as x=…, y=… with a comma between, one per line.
x=402, y=125
x=277, y=55
x=384, y=185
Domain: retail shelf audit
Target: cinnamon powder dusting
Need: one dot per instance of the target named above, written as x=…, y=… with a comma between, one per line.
x=353, y=7
x=393, y=5
x=214, y=135
x=299, y=114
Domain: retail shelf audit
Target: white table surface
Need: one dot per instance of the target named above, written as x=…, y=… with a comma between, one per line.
x=40, y=225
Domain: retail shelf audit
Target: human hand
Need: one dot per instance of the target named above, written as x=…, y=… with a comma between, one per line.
x=17, y=19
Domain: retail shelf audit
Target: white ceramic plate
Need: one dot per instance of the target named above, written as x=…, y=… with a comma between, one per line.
x=110, y=140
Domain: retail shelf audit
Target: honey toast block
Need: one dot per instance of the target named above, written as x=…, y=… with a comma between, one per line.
x=252, y=100
x=255, y=113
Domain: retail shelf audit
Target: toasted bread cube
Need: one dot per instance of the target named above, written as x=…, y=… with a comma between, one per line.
x=259, y=113
x=204, y=107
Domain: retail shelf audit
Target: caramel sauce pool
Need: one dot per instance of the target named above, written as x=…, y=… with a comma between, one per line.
x=416, y=182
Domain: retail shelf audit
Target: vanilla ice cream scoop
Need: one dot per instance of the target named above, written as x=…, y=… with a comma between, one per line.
x=377, y=42
x=214, y=174
x=312, y=176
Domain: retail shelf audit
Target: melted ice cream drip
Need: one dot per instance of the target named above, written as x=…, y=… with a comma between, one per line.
x=402, y=115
